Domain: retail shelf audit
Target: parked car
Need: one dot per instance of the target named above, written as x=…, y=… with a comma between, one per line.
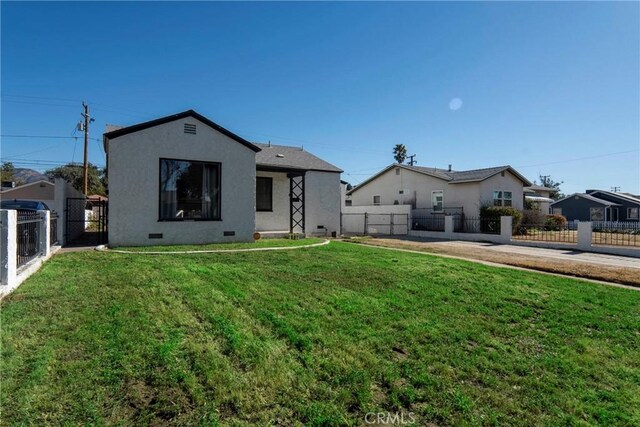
x=24, y=205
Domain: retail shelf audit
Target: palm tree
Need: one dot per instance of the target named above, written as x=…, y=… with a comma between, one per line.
x=400, y=153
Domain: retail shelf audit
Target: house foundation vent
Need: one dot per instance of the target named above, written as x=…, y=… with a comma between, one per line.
x=190, y=128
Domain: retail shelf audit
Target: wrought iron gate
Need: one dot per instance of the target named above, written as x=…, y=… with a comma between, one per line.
x=367, y=223
x=85, y=221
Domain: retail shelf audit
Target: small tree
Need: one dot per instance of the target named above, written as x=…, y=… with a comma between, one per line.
x=546, y=181
x=400, y=153
x=8, y=170
x=74, y=174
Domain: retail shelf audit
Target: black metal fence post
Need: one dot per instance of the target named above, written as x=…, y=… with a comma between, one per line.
x=366, y=219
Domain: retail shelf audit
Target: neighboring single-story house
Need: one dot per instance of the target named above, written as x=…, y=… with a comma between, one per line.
x=539, y=196
x=59, y=196
x=183, y=179
x=442, y=190
x=40, y=191
x=598, y=205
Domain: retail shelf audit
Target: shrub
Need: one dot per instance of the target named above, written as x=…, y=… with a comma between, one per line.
x=494, y=213
x=555, y=222
x=533, y=217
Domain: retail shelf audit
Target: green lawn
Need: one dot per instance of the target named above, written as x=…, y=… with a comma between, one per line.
x=317, y=336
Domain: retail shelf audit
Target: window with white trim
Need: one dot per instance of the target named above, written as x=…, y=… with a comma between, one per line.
x=437, y=200
x=376, y=200
x=502, y=198
x=632, y=213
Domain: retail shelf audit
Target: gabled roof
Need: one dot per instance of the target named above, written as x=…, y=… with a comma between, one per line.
x=434, y=172
x=482, y=174
x=587, y=197
x=623, y=196
x=189, y=113
x=286, y=157
x=452, y=177
x=41, y=181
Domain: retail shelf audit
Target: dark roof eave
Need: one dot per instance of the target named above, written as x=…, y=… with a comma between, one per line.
x=279, y=168
x=591, y=199
x=189, y=113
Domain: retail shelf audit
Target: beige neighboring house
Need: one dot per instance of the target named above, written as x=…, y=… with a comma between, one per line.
x=183, y=179
x=40, y=191
x=540, y=196
x=56, y=195
x=442, y=190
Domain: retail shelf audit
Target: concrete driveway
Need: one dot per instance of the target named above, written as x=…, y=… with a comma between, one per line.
x=559, y=254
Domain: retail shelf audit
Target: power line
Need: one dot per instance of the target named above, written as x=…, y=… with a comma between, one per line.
x=357, y=179
x=4, y=95
x=579, y=159
x=31, y=152
x=113, y=107
x=38, y=103
x=47, y=136
x=45, y=162
x=369, y=169
x=101, y=150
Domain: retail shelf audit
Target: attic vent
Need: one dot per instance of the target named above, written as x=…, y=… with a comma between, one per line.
x=190, y=128
x=280, y=156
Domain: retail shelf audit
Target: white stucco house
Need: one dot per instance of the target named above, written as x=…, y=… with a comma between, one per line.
x=183, y=179
x=539, y=197
x=442, y=190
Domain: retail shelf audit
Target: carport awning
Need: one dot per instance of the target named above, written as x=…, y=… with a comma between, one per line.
x=538, y=199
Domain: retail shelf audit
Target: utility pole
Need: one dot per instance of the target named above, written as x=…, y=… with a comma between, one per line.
x=87, y=120
x=411, y=161
x=615, y=189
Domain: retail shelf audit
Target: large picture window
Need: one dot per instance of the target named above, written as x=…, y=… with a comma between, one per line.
x=189, y=190
x=264, y=194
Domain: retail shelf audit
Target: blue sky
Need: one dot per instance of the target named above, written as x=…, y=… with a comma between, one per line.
x=548, y=88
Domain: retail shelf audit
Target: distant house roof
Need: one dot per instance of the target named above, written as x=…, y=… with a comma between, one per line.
x=536, y=187
x=286, y=157
x=623, y=196
x=189, y=113
x=587, y=197
x=40, y=183
x=452, y=177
